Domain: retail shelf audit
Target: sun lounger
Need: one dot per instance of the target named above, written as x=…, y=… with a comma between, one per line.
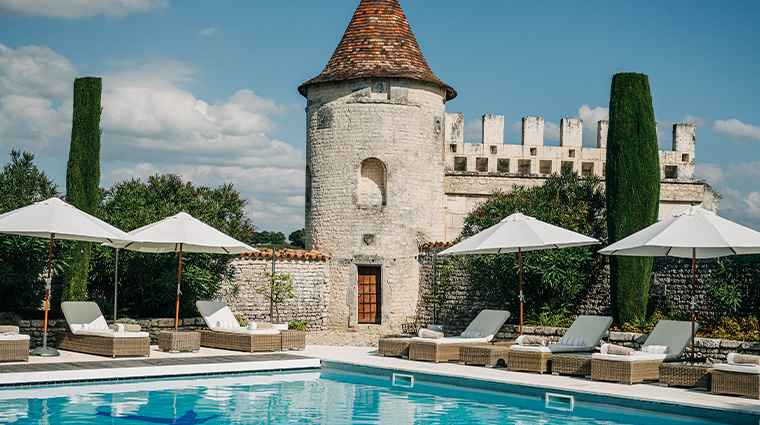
x=672, y=336
x=486, y=324
x=736, y=378
x=90, y=333
x=14, y=347
x=227, y=334
x=581, y=337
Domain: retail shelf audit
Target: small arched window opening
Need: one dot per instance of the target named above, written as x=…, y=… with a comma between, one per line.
x=371, y=188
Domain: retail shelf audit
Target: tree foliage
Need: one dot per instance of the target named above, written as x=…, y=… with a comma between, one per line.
x=633, y=188
x=83, y=176
x=266, y=237
x=23, y=258
x=296, y=238
x=552, y=279
x=147, y=282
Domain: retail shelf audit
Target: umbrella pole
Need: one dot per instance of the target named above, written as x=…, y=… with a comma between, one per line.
x=179, y=276
x=46, y=351
x=522, y=298
x=115, y=284
x=693, y=300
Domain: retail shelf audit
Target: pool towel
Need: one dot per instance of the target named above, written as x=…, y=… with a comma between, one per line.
x=575, y=342
x=427, y=333
x=220, y=324
x=736, y=358
x=616, y=349
x=656, y=349
x=470, y=334
x=117, y=327
x=531, y=340
x=131, y=327
x=9, y=329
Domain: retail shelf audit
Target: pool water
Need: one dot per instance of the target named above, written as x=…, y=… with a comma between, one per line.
x=312, y=397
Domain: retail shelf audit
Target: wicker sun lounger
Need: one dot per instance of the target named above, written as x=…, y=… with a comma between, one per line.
x=586, y=329
x=227, y=334
x=90, y=333
x=487, y=323
x=643, y=366
x=736, y=379
x=14, y=347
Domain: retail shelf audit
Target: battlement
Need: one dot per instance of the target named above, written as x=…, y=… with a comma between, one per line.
x=531, y=156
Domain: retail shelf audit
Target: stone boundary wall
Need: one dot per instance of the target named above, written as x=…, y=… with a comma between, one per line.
x=311, y=288
x=34, y=328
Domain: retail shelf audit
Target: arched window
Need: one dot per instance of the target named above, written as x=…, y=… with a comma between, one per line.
x=371, y=190
x=308, y=189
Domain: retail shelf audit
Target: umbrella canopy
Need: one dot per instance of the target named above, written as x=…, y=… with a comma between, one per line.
x=518, y=233
x=182, y=232
x=692, y=233
x=55, y=219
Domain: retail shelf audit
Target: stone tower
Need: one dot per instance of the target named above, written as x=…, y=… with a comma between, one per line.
x=374, y=167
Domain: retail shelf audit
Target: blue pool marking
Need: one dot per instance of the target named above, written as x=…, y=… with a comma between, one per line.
x=189, y=418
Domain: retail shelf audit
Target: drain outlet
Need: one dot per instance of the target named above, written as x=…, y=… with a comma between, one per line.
x=401, y=380
x=560, y=402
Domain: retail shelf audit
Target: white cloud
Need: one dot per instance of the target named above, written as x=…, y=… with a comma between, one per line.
x=697, y=121
x=736, y=129
x=710, y=173
x=72, y=9
x=473, y=131
x=735, y=205
x=551, y=132
x=209, y=31
x=591, y=118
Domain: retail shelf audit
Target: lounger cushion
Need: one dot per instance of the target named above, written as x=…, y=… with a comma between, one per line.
x=674, y=334
x=531, y=348
x=450, y=340
x=214, y=312
x=246, y=331
x=636, y=357
x=488, y=323
x=11, y=336
x=81, y=313
x=110, y=333
x=740, y=368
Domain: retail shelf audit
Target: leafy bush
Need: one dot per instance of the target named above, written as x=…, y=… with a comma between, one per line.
x=739, y=329
x=440, y=290
x=722, y=288
x=148, y=282
x=298, y=325
x=275, y=287
x=553, y=318
x=24, y=258
x=552, y=279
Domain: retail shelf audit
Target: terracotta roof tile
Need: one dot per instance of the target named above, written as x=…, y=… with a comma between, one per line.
x=435, y=244
x=378, y=43
x=297, y=254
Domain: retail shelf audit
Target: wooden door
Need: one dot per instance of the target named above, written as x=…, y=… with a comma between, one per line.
x=369, y=294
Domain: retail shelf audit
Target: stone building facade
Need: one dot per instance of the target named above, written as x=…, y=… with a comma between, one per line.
x=387, y=169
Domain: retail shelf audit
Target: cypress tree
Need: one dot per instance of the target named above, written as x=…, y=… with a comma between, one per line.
x=633, y=188
x=83, y=176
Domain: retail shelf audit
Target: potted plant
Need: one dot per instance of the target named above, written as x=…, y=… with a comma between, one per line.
x=276, y=287
x=439, y=292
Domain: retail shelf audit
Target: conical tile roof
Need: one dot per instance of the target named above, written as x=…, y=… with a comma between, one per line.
x=378, y=43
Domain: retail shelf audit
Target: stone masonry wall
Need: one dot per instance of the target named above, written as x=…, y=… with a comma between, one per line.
x=310, y=287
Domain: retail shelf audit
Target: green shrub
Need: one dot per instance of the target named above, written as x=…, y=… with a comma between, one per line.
x=148, y=282
x=24, y=258
x=298, y=325
x=633, y=188
x=552, y=279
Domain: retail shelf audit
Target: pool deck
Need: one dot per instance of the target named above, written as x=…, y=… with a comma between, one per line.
x=73, y=367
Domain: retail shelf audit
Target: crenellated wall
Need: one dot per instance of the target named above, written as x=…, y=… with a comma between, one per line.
x=475, y=170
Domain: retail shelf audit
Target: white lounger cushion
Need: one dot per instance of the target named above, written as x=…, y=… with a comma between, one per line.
x=13, y=337
x=740, y=368
x=81, y=313
x=637, y=356
x=214, y=312
x=531, y=348
x=451, y=340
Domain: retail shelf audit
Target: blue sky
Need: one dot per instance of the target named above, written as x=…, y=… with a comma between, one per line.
x=208, y=90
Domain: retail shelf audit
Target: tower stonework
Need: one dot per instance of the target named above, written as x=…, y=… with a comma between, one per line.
x=374, y=168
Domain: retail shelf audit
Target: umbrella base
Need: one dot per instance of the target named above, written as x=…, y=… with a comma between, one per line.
x=45, y=351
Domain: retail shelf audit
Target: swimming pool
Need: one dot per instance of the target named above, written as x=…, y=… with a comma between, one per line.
x=329, y=396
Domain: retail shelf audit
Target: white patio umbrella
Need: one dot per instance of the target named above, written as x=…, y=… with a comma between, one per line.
x=518, y=233
x=692, y=233
x=182, y=232
x=55, y=219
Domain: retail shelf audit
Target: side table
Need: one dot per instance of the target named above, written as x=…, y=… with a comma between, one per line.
x=685, y=374
x=179, y=341
x=486, y=354
x=293, y=340
x=394, y=346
